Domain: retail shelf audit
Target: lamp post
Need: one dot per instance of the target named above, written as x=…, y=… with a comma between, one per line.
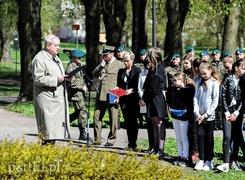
x=154, y=44
x=16, y=48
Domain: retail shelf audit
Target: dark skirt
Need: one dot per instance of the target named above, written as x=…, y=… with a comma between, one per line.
x=157, y=107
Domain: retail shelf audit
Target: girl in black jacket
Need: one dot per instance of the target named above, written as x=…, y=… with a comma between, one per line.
x=180, y=100
x=232, y=121
x=153, y=98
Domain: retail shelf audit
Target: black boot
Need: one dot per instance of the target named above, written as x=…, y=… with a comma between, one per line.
x=83, y=135
x=160, y=154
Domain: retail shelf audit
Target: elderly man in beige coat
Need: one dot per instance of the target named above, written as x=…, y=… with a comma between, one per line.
x=107, y=72
x=50, y=97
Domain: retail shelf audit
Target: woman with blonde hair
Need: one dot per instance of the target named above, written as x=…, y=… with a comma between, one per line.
x=128, y=80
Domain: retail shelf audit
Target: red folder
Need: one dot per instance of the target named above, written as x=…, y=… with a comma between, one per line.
x=118, y=92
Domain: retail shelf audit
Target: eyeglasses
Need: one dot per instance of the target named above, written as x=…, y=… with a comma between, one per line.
x=174, y=80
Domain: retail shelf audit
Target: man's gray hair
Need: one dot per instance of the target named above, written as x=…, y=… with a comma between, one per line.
x=49, y=39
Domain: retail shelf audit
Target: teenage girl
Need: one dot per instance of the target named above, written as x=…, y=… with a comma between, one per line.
x=232, y=121
x=153, y=98
x=180, y=100
x=205, y=102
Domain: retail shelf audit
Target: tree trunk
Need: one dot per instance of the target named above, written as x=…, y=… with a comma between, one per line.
x=29, y=28
x=231, y=30
x=5, y=46
x=114, y=15
x=92, y=34
x=139, y=39
x=176, y=13
x=8, y=14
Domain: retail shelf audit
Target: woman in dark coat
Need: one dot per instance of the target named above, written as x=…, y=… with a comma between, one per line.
x=153, y=97
x=129, y=103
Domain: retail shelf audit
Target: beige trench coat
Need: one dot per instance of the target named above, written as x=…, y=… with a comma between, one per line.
x=50, y=97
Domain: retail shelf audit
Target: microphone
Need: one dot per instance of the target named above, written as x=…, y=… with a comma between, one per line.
x=67, y=51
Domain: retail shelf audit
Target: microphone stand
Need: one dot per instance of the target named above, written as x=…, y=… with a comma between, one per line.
x=89, y=84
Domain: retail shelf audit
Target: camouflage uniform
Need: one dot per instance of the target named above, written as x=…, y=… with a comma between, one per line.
x=140, y=65
x=219, y=68
x=171, y=71
x=76, y=95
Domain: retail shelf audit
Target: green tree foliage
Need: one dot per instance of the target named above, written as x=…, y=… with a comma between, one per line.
x=8, y=14
x=51, y=16
x=215, y=17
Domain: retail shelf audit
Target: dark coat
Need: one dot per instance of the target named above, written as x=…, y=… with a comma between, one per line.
x=154, y=86
x=130, y=81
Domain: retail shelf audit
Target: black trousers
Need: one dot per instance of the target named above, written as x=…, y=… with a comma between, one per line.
x=236, y=135
x=130, y=112
x=205, y=133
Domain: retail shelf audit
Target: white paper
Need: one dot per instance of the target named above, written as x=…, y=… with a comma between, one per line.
x=143, y=109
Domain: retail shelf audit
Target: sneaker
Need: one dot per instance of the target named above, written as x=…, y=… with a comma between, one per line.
x=176, y=162
x=183, y=162
x=199, y=165
x=208, y=165
x=223, y=167
x=236, y=167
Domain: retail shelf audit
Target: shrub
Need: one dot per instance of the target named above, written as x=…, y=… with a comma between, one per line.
x=22, y=160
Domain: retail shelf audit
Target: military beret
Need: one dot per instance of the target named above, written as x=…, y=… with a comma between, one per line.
x=77, y=53
x=226, y=53
x=143, y=51
x=120, y=48
x=216, y=51
x=189, y=48
x=239, y=51
x=204, y=53
x=175, y=56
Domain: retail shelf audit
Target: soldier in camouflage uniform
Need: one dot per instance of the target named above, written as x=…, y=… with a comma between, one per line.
x=174, y=67
x=143, y=55
x=120, y=50
x=204, y=55
x=76, y=92
x=190, y=52
x=239, y=53
x=217, y=64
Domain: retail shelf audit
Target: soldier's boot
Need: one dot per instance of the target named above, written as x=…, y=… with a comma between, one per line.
x=83, y=135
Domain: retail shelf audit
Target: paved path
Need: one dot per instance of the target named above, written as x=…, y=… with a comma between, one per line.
x=14, y=126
